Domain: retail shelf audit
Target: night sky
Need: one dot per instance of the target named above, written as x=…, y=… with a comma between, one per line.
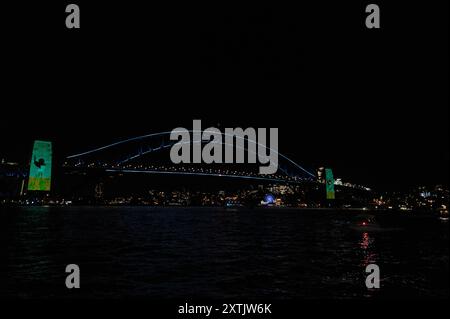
x=371, y=104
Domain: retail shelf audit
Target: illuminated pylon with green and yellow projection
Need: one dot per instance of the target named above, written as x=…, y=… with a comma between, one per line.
x=40, y=176
x=329, y=180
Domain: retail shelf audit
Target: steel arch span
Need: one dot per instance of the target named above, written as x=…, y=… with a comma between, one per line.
x=134, y=155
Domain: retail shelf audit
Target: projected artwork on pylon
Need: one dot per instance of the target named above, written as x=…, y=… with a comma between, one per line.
x=329, y=183
x=40, y=167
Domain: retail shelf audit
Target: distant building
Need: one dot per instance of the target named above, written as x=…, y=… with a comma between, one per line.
x=321, y=174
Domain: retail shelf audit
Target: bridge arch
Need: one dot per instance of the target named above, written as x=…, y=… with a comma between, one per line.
x=145, y=144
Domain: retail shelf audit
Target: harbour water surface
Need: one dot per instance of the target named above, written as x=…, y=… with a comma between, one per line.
x=146, y=252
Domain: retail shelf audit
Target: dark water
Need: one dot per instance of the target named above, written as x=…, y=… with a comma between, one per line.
x=218, y=253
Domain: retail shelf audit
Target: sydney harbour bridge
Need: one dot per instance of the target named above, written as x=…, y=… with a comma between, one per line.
x=141, y=164
x=143, y=155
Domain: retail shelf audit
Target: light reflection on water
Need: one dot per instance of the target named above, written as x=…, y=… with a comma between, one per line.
x=366, y=244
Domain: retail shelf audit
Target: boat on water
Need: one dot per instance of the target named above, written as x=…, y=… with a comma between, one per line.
x=365, y=222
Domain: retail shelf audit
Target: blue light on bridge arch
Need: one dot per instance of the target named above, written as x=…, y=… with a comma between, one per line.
x=122, y=142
